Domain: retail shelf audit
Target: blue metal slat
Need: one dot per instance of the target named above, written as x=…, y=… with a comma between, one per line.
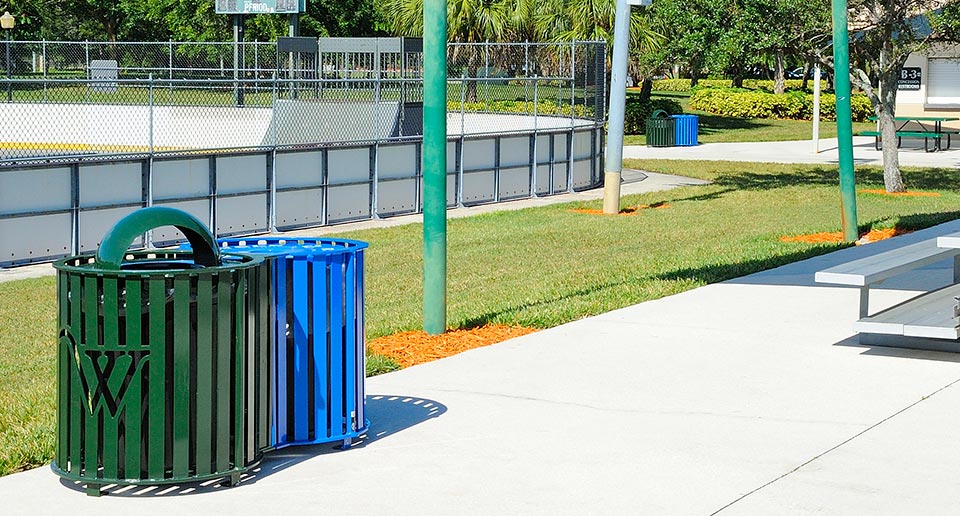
x=350, y=356
x=319, y=346
x=301, y=405
x=336, y=344
x=361, y=343
x=280, y=350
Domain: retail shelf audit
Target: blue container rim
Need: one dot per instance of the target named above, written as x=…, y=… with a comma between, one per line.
x=292, y=246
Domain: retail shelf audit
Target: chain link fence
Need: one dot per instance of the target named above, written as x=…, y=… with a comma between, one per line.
x=70, y=100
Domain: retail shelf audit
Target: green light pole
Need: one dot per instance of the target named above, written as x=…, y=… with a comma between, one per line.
x=841, y=82
x=434, y=166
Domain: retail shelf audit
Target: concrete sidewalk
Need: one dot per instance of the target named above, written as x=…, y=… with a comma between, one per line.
x=864, y=153
x=749, y=397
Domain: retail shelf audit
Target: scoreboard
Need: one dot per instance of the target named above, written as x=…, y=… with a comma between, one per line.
x=260, y=6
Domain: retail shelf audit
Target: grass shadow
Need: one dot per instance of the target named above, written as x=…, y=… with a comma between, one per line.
x=916, y=178
x=715, y=273
x=709, y=124
x=708, y=274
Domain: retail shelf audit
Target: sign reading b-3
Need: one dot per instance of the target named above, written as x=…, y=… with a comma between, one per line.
x=260, y=6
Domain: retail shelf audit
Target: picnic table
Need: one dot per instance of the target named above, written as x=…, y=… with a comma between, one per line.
x=936, y=133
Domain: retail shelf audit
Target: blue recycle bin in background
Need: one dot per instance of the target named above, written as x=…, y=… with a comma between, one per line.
x=685, y=130
x=320, y=345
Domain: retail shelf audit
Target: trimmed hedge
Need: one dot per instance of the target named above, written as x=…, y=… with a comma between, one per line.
x=796, y=105
x=683, y=85
x=636, y=113
x=544, y=107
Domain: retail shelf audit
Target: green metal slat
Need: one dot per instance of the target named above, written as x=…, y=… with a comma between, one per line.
x=156, y=404
x=240, y=395
x=251, y=365
x=63, y=371
x=133, y=440
x=77, y=396
x=181, y=376
x=91, y=425
x=111, y=421
x=264, y=322
x=204, y=397
x=224, y=341
x=133, y=312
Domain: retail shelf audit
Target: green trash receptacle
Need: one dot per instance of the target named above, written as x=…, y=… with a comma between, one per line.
x=163, y=359
x=660, y=129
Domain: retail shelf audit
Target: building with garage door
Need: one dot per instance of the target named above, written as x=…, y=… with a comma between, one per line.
x=930, y=84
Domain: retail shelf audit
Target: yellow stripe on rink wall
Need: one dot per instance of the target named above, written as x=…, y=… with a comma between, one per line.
x=83, y=147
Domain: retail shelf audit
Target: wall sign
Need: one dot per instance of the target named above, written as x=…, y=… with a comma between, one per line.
x=909, y=78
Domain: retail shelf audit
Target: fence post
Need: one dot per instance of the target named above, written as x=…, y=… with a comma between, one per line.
x=86, y=65
x=43, y=66
x=463, y=101
x=9, y=84
x=573, y=79
x=149, y=171
x=273, y=109
x=150, y=110
x=237, y=40
x=533, y=153
x=573, y=91
x=526, y=67
x=486, y=76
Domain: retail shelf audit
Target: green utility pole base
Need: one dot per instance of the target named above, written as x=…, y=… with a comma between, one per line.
x=434, y=166
x=841, y=67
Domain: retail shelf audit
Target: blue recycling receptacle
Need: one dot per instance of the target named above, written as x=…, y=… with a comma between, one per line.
x=319, y=353
x=685, y=130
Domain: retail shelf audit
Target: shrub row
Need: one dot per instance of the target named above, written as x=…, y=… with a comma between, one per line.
x=683, y=85
x=544, y=107
x=636, y=113
x=795, y=105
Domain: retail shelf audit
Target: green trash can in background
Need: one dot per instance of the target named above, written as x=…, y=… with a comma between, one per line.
x=660, y=129
x=163, y=359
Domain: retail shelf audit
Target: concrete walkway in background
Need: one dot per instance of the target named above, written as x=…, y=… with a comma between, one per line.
x=748, y=397
x=864, y=152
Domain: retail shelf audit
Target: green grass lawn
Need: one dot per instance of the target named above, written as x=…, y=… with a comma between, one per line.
x=539, y=267
x=722, y=129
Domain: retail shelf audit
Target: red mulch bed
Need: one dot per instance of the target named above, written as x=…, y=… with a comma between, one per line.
x=416, y=347
x=836, y=237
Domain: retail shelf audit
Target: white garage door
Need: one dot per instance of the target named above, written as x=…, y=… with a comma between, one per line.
x=943, y=84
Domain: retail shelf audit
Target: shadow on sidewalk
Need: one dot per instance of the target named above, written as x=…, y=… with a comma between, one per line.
x=896, y=352
x=388, y=414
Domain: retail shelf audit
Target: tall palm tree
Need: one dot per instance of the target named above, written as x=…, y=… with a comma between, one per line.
x=593, y=20
x=468, y=21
